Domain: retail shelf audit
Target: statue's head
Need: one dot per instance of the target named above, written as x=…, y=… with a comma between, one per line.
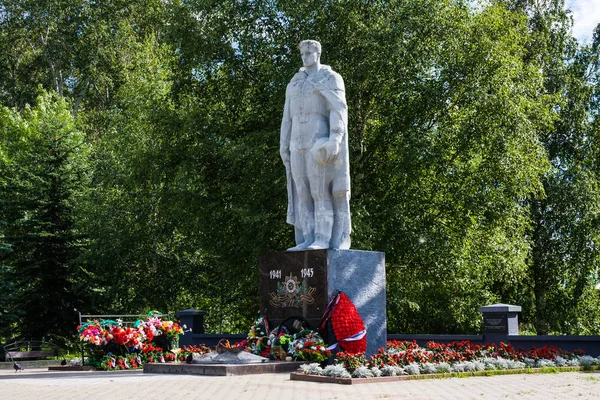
x=311, y=45
x=310, y=50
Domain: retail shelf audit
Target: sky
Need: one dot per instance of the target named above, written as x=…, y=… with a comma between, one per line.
x=586, y=15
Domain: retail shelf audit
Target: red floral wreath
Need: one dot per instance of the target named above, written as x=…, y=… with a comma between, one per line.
x=346, y=322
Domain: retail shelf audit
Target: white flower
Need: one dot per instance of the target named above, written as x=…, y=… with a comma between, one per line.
x=311, y=369
x=336, y=371
x=362, y=372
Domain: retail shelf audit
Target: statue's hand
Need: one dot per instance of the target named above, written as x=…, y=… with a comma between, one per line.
x=331, y=149
x=284, y=152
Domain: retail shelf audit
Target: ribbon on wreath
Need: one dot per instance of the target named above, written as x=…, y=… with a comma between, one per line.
x=352, y=338
x=327, y=314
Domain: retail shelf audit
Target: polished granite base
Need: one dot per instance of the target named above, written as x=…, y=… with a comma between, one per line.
x=223, y=369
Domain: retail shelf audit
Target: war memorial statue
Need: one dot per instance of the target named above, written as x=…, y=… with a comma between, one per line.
x=314, y=150
x=301, y=282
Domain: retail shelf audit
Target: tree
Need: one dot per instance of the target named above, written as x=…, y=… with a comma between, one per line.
x=42, y=172
x=7, y=314
x=566, y=223
x=75, y=48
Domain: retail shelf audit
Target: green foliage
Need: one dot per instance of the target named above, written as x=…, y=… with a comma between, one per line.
x=42, y=175
x=565, y=224
x=8, y=315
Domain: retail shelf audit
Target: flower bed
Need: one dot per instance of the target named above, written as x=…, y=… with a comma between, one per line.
x=407, y=358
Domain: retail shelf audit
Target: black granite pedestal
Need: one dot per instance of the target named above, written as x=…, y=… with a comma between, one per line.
x=300, y=283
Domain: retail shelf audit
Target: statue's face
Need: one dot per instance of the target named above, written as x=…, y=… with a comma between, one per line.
x=310, y=56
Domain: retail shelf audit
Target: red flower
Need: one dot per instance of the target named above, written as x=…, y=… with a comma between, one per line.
x=266, y=351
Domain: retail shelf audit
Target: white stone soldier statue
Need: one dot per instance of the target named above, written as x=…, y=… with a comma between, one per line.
x=314, y=150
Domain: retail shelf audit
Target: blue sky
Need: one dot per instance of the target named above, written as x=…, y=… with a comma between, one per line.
x=586, y=14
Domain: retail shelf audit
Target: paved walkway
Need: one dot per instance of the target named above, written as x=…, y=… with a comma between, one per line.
x=44, y=385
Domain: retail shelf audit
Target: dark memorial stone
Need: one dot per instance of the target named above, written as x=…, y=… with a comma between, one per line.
x=293, y=283
x=300, y=283
x=499, y=322
x=495, y=322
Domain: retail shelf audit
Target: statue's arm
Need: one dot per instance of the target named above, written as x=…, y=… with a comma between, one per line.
x=335, y=96
x=286, y=130
x=338, y=109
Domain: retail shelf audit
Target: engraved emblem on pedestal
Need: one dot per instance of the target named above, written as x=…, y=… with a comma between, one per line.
x=292, y=293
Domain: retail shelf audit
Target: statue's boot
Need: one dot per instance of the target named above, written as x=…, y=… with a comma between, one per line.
x=340, y=239
x=307, y=224
x=302, y=246
x=323, y=225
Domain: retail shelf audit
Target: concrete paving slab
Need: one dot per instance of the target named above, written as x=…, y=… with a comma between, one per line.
x=42, y=384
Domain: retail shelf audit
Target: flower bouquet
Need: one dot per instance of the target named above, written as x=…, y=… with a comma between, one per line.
x=116, y=363
x=257, y=339
x=162, y=332
x=309, y=346
x=279, y=342
x=149, y=340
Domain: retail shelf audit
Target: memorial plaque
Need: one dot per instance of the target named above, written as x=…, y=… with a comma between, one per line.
x=495, y=323
x=293, y=284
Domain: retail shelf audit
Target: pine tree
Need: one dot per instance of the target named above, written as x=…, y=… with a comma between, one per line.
x=42, y=173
